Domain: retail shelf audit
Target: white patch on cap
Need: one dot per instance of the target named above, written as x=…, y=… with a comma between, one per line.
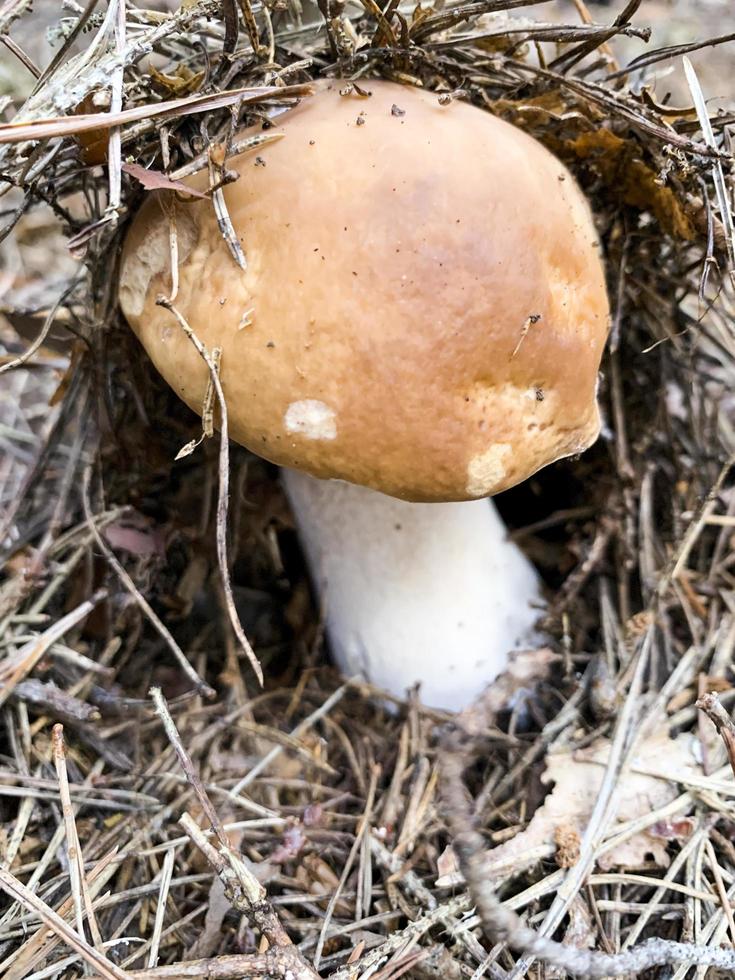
x=312, y=419
x=487, y=470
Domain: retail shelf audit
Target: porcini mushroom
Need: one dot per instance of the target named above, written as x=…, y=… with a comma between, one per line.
x=419, y=326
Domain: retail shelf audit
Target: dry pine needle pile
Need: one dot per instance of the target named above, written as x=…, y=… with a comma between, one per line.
x=163, y=816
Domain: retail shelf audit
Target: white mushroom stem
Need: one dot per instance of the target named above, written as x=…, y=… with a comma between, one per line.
x=429, y=593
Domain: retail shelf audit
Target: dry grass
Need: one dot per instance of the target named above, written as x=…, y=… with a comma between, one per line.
x=329, y=803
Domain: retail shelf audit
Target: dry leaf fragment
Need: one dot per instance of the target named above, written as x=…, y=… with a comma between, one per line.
x=526, y=668
x=447, y=866
x=184, y=81
x=154, y=180
x=637, y=184
x=646, y=785
x=356, y=953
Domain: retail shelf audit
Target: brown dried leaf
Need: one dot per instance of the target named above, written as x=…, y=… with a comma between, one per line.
x=356, y=953
x=218, y=905
x=154, y=180
x=648, y=784
x=615, y=159
x=184, y=81
x=537, y=110
x=618, y=163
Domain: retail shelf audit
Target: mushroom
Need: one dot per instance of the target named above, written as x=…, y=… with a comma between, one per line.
x=419, y=325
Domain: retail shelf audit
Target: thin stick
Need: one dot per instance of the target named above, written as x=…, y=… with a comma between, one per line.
x=42, y=129
x=224, y=476
x=172, y=734
x=401, y=937
x=277, y=962
x=20, y=54
x=718, y=175
x=207, y=412
x=239, y=145
x=41, y=337
x=173, y=244
x=227, y=230
x=710, y=705
x=79, y=887
x=242, y=888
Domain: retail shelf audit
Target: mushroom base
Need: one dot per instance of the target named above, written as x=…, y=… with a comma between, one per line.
x=415, y=593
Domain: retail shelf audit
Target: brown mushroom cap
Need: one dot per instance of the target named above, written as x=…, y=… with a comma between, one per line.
x=424, y=307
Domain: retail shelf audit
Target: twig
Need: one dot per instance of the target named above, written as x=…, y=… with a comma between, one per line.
x=239, y=145
x=720, y=887
x=10, y=11
x=173, y=243
x=172, y=734
x=710, y=705
x=529, y=322
x=398, y=939
x=251, y=25
x=56, y=702
x=242, y=888
x=207, y=407
x=671, y=51
x=58, y=58
x=39, y=339
x=275, y=962
x=40, y=944
x=224, y=477
x=605, y=805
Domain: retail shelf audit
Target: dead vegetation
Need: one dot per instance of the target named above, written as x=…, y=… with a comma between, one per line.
x=185, y=823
